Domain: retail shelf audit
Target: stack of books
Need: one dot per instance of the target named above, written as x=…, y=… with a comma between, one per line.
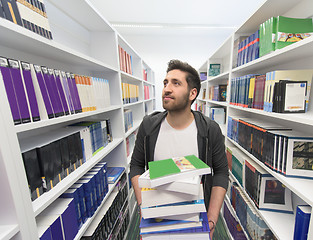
x=172, y=199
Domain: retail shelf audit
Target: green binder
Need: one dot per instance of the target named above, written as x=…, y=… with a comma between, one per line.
x=267, y=36
x=291, y=30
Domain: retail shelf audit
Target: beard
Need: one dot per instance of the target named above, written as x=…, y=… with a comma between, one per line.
x=177, y=104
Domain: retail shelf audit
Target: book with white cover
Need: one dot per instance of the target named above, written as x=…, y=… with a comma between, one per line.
x=195, y=217
x=153, y=197
x=187, y=185
x=162, y=211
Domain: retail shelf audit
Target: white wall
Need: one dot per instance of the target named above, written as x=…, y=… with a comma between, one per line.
x=157, y=50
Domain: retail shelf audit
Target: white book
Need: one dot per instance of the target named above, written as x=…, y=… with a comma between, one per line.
x=173, y=209
x=153, y=197
x=195, y=217
x=188, y=185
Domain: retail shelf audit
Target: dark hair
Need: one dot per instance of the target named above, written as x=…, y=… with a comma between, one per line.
x=192, y=78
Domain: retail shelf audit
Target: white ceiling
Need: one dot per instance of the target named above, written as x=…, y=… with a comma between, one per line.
x=172, y=17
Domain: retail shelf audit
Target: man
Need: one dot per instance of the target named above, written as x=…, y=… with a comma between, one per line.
x=179, y=131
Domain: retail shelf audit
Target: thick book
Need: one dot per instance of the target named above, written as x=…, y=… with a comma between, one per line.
x=188, y=185
x=31, y=95
x=19, y=90
x=303, y=216
x=155, y=225
x=43, y=98
x=162, y=211
x=258, y=97
x=198, y=233
x=9, y=88
x=267, y=36
x=114, y=173
x=169, y=170
x=152, y=197
x=291, y=30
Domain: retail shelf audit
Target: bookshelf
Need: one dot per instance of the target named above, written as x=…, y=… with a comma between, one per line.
x=295, y=56
x=86, y=46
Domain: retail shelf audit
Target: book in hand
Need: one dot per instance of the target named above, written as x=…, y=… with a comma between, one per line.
x=199, y=233
x=154, y=197
x=169, y=170
x=162, y=211
x=154, y=225
x=188, y=185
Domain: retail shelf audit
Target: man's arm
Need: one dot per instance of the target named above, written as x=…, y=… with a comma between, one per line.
x=216, y=201
x=137, y=189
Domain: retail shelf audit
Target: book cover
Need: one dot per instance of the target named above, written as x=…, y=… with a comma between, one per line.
x=82, y=200
x=114, y=173
x=162, y=211
x=68, y=95
x=19, y=90
x=274, y=196
x=54, y=221
x=303, y=216
x=155, y=225
x=189, y=185
x=31, y=95
x=72, y=83
x=293, y=96
x=43, y=98
x=154, y=197
x=73, y=193
x=9, y=88
x=61, y=92
x=190, y=233
x=33, y=173
x=267, y=36
x=258, y=97
x=291, y=30
x=168, y=170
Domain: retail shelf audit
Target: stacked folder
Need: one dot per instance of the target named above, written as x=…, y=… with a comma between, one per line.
x=172, y=199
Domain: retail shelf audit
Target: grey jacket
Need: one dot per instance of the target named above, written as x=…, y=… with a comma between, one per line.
x=211, y=149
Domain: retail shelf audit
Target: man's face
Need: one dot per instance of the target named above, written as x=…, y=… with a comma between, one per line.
x=175, y=94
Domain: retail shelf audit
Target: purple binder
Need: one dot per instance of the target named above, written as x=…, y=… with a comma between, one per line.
x=61, y=92
x=8, y=84
x=30, y=91
x=44, y=91
x=72, y=92
x=76, y=93
x=56, y=106
x=19, y=90
x=67, y=92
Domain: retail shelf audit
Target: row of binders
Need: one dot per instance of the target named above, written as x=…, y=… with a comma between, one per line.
x=128, y=119
x=280, y=148
x=266, y=192
x=112, y=219
x=130, y=93
x=275, y=33
x=173, y=199
x=126, y=61
x=30, y=14
x=66, y=215
x=51, y=157
x=281, y=91
x=36, y=92
x=250, y=220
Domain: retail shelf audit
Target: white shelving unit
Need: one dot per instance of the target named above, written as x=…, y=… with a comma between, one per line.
x=83, y=43
x=295, y=56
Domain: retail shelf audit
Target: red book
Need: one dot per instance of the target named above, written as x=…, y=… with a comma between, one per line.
x=259, y=87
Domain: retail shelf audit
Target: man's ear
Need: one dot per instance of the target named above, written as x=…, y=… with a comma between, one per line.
x=193, y=94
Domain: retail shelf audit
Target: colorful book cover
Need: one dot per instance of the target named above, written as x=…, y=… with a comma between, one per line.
x=291, y=30
x=170, y=166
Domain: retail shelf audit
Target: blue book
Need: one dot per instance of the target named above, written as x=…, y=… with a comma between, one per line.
x=155, y=225
x=96, y=178
x=202, y=229
x=104, y=167
x=82, y=200
x=114, y=173
x=93, y=193
x=303, y=216
x=73, y=193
